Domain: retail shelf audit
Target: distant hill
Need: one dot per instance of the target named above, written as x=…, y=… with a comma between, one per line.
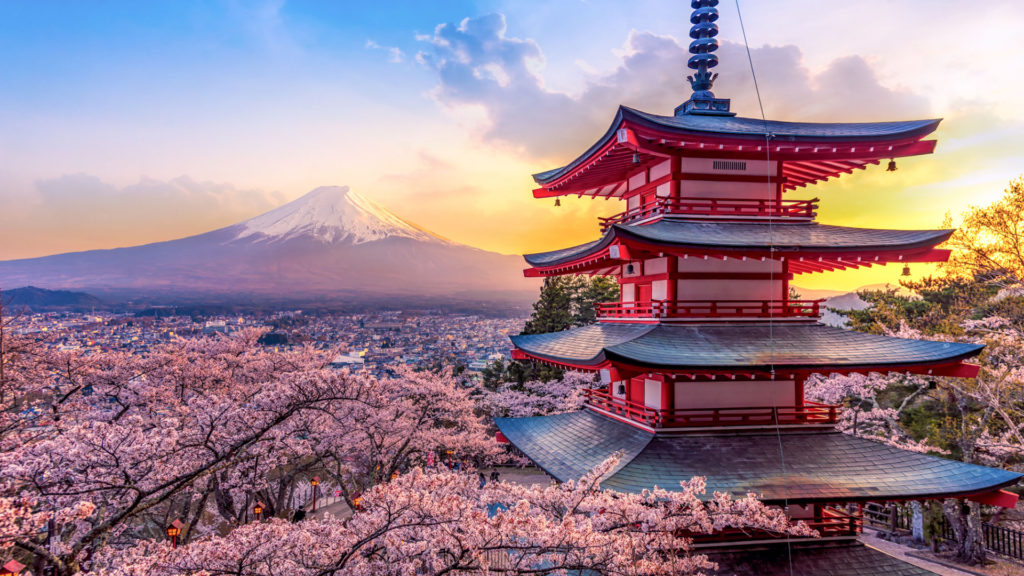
x=41, y=299
x=330, y=245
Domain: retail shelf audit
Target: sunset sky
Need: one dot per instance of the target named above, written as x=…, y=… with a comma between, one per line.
x=130, y=122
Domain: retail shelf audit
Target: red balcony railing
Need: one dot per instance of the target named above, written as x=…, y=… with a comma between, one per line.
x=829, y=521
x=658, y=309
x=716, y=207
x=809, y=413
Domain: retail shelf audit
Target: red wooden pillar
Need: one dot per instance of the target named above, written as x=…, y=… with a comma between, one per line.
x=613, y=377
x=672, y=283
x=798, y=388
x=778, y=184
x=785, y=281
x=668, y=398
x=676, y=169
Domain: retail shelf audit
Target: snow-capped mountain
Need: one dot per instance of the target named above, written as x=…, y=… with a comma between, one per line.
x=332, y=214
x=331, y=243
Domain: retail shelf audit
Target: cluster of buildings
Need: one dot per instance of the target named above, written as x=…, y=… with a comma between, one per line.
x=376, y=342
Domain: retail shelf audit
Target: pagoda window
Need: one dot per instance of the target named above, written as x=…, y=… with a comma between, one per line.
x=652, y=393
x=691, y=395
x=729, y=166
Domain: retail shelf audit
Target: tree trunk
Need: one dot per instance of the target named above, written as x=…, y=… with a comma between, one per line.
x=965, y=519
x=917, y=522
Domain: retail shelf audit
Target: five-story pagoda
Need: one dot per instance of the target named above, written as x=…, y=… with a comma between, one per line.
x=704, y=358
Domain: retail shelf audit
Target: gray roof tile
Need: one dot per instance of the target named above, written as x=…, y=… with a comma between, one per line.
x=853, y=559
x=792, y=237
x=720, y=346
x=819, y=466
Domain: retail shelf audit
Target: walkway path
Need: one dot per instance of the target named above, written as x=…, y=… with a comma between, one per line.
x=870, y=537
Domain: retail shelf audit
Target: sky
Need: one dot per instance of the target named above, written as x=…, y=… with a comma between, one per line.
x=124, y=123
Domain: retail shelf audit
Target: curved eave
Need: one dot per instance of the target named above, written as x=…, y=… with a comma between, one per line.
x=805, y=144
x=820, y=466
x=778, y=240
x=747, y=348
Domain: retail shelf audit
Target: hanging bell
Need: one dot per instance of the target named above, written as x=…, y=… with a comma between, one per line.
x=892, y=166
x=906, y=269
x=558, y=202
x=636, y=157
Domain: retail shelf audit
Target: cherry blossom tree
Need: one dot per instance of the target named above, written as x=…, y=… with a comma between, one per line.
x=443, y=523
x=536, y=397
x=103, y=449
x=396, y=424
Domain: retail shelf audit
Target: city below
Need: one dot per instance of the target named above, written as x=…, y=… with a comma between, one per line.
x=377, y=342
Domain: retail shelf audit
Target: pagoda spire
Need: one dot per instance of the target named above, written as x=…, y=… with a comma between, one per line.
x=703, y=59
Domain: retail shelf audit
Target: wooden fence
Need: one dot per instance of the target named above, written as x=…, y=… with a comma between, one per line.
x=999, y=539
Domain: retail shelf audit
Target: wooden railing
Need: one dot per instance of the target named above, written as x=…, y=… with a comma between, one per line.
x=809, y=413
x=658, y=309
x=741, y=208
x=894, y=517
x=831, y=522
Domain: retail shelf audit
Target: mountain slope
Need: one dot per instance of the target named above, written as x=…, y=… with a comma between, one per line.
x=41, y=299
x=332, y=242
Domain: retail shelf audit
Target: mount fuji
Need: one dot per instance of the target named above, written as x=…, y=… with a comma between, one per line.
x=330, y=244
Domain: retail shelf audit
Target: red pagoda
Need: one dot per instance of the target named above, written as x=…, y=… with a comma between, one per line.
x=704, y=357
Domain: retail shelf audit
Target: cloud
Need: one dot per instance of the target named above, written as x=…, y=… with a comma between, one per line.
x=479, y=65
x=81, y=211
x=395, y=54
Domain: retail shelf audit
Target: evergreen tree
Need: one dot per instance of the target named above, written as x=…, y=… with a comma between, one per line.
x=569, y=301
x=592, y=291
x=552, y=312
x=565, y=302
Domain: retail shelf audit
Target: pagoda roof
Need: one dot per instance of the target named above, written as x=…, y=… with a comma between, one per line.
x=816, y=150
x=791, y=238
x=843, y=559
x=758, y=347
x=821, y=466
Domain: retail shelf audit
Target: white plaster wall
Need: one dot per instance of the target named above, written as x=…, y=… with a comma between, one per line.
x=659, y=289
x=664, y=190
x=660, y=170
x=633, y=202
x=637, y=180
x=652, y=394
x=717, y=189
x=734, y=393
x=628, y=292
x=656, y=266
x=729, y=289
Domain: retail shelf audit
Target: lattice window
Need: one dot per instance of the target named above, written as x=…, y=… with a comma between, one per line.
x=728, y=165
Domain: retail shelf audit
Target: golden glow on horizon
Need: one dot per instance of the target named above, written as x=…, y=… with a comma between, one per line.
x=382, y=129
